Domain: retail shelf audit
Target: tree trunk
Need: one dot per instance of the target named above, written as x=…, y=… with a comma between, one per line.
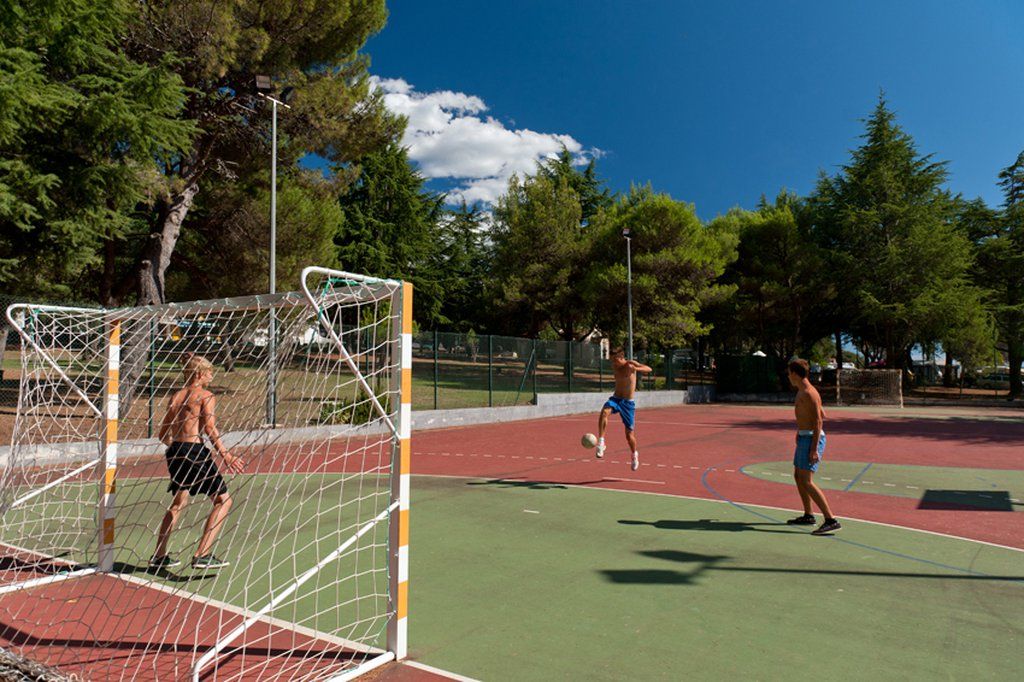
x=157, y=255
x=947, y=372
x=1015, y=353
x=839, y=350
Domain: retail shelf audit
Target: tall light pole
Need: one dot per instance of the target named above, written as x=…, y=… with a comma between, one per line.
x=265, y=89
x=629, y=291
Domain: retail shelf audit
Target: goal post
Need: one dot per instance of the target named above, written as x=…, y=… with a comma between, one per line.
x=317, y=533
x=869, y=387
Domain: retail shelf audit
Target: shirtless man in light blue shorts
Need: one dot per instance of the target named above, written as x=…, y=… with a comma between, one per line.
x=810, y=447
x=621, y=403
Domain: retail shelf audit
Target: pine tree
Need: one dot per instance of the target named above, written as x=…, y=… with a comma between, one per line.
x=896, y=252
x=391, y=228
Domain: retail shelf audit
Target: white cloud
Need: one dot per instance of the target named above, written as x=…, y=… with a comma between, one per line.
x=449, y=136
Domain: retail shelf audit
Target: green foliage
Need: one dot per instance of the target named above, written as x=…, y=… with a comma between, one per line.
x=780, y=285
x=227, y=253
x=999, y=242
x=676, y=262
x=84, y=132
x=896, y=254
x=540, y=256
x=359, y=410
x=590, y=190
x=463, y=266
x=391, y=228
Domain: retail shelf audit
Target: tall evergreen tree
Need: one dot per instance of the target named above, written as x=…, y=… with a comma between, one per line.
x=677, y=261
x=540, y=252
x=391, y=228
x=590, y=190
x=218, y=48
x=999, y=240
x=464, y=260
x=781, y=294
x=896, y=251
x=84, y=133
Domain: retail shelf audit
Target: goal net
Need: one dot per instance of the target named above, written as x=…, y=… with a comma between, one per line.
x=869, y=387
x=311, y=391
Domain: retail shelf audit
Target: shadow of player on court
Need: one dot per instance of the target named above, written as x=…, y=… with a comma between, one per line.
x=711, y=524
x=533, y=485
x=654, y=576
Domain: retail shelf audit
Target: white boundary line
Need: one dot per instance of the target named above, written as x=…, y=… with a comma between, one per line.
x=438, y=671
x=748, y=504
x=224, y=606
x=239, y=611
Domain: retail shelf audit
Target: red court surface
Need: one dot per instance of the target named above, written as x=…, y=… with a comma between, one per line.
x=699, y=450
x=146, y=634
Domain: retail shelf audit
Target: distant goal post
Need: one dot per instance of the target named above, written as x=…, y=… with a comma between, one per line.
x=314, y=393
x=869, y=387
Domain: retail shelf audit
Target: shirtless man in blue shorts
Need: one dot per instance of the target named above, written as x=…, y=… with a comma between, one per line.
x=621, y=403
x=810, y=447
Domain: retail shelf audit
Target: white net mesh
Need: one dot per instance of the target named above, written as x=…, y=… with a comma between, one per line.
x=318, y=442
x=870, y=387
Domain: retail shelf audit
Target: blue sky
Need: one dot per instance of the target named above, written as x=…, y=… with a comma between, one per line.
x=712, y=102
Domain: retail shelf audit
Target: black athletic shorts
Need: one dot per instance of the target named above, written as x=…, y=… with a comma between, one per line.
x=192, y=468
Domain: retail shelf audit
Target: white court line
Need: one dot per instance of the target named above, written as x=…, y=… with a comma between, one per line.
x=751, y=504
x=633, y=480
x=437, y=671
x=531, y=511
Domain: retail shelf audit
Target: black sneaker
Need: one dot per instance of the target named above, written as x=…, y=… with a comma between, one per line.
x=827, y=528
x=805, y=520
x=208, y=561
x=162, y=562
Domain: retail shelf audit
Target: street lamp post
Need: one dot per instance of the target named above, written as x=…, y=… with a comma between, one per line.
x=265, y=89
x=629, y=291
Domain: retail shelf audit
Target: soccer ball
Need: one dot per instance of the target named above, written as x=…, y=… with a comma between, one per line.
x=589, y=440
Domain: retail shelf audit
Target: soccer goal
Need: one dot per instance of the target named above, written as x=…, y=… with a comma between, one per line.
x=869, y=387
x=312, y=390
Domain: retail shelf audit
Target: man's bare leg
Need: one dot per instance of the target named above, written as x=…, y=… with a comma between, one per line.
x=805, y=498
x=631, y=439
x=221, y=506
x=602, y=426
x=170, y=520
x=815, y=492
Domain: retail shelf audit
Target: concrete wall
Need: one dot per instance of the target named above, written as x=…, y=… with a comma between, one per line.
x=756, y=397
x=552, y=405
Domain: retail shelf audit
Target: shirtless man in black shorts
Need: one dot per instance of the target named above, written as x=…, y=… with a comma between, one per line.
x=190, y=414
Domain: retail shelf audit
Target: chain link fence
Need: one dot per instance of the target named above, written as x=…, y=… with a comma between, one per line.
x=453, y=370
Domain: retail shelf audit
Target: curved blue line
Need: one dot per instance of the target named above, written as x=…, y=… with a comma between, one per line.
x=857, y=477
x=880, y=550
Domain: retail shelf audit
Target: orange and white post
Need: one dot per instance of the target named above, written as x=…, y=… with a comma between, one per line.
x=399, y=625
x=108, y=460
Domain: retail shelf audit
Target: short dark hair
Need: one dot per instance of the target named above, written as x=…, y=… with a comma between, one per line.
x=799, y=367
x=617, y=350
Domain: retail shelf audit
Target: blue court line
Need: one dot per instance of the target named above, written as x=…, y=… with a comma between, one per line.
x=880, y=550
x=857, y=477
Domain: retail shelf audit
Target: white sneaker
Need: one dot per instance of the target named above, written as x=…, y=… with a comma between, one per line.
x=636, y=461
x=600, y=450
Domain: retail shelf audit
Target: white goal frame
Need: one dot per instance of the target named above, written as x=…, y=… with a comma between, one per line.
x=398, y=425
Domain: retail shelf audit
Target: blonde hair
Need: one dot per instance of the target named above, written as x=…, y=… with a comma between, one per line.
x=196, y=365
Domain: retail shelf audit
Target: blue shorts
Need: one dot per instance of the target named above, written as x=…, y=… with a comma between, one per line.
x=624, y=408
x=802, y=456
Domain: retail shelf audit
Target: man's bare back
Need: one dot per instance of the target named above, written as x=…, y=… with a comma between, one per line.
x=188, y=414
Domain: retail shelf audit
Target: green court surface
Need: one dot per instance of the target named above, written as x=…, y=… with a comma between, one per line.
x=989, y=489
x=514, y=580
